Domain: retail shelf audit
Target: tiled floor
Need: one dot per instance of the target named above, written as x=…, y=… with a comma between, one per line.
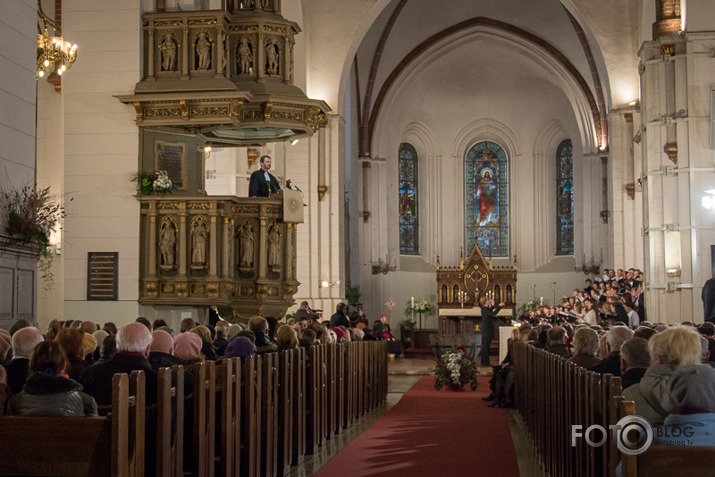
x=402, y=375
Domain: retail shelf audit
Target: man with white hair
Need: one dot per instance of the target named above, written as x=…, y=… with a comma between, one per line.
x=615, y=338
x=133, y=346
x=23, y=342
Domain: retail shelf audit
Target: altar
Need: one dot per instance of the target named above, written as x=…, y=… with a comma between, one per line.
x=459, y=290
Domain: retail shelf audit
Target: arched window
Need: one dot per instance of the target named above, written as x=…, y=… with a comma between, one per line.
x=487, y=199
x=409, y=224
x=564, y=198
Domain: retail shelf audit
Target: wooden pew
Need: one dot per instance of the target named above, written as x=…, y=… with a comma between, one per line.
x=80, y=446
x=672, y=461
x=250, y=417
x=269, y=415
x=228, y=375
x=170, y=422
x=299, y=405
x=286, y=392
x=204, y=418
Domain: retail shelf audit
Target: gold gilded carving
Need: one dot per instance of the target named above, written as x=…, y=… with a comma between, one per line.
x=322, y=189
x=162, y=113
x=225, y=220
x=235, y=108
x=184, y=109
x=246, y=291
x=263, y=222
x=314, y=117
x=151, y=289
x=199, y=205
x=152, y=219
x=203, y=21
x=170, y=205
x=161, y=23
x=183, y=219
x=245, y=209
x=212, y=290
x=213, y=219
x=671, y=149
x=267, y=108
x=168, y=288
x=272, y=209
x=273, y=291
x=138, y=109
x=182, y=290
x=209, y=111
x=668, y=50
x=198, y=290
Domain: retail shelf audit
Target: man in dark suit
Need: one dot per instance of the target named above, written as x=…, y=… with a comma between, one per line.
x=263, y=183
x=489, y=318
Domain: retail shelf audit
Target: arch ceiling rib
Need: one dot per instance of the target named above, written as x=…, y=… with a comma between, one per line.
x=444, y=35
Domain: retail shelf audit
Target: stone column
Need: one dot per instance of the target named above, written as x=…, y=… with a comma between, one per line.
x=260, y=58
x=213, y=247
x=226, y=254
x=185, y=47
x=151, y=259
x=218, y=61
x=287, y=252
x=150, y=48
x=182, y=238
x=262, y=257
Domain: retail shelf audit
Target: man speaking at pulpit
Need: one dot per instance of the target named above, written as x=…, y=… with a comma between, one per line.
x=262, y=182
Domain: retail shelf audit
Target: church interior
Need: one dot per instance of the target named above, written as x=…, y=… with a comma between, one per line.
x=426, y=152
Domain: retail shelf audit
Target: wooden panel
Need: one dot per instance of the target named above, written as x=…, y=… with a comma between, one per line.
x=7, y=296
x=249, y=429
x=25, y=294
x=102, y=275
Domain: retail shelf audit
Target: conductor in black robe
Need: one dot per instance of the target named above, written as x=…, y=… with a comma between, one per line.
x=262, y=182
x=489, y=319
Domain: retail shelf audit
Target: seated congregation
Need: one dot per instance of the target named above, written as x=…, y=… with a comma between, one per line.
x=209, y=399
x=562, y=374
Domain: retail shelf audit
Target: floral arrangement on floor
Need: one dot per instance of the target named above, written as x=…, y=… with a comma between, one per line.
x=153, y=182
x=420, y=305
x=30, y=215
x=455, y=370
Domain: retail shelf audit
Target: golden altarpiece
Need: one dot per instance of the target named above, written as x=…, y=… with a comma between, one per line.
x=221, y=78
x=459, y=290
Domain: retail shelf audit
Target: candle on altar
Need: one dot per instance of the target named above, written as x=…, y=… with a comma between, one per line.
x=541, y=301
x=413, y=302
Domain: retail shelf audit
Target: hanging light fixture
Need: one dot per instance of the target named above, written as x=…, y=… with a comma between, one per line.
x=54, y=55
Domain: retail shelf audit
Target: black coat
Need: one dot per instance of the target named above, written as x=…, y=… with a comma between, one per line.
x=339, y=319
x=97, y=379
x=708, y=297
x=157, y=360
x=611, y=364
x=258, y=186
x=47, y=395
x=17, y=373
x=489, y=317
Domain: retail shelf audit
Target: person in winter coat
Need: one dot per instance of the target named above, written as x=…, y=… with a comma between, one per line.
x=48, y=391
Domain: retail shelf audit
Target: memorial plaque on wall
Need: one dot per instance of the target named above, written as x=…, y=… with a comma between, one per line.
x=102, y=275
x=171, y=157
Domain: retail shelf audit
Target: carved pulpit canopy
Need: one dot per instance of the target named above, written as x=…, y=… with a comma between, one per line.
x=224, y=75
x=462, y=286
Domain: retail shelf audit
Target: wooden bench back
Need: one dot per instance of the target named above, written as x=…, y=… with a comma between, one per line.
x=80, y=446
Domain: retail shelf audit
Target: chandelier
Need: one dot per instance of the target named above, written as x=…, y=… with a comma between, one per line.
x=54, y=55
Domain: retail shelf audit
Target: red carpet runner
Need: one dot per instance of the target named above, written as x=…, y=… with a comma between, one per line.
x=431, y=433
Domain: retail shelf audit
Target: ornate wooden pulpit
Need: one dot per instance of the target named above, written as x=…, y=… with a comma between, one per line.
x=459, y=290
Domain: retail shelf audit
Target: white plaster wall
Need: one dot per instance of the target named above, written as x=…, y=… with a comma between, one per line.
x=17, y=92
x=100, y=153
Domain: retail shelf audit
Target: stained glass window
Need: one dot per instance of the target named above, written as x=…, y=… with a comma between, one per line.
x=564, y=198
x=487, y=199
x=409, y=224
